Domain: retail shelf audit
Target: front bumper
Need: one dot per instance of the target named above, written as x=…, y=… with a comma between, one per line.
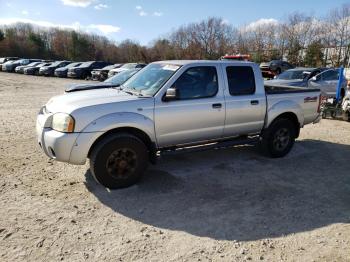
x=73, y=75
x=72, y=148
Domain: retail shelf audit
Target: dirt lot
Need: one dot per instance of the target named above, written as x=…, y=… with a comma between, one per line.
x=223, y=205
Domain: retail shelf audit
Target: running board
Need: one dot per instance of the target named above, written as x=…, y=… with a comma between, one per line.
x=209, y=146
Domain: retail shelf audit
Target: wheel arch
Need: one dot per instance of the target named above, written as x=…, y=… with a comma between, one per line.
x=289, y=116
x=143, y=136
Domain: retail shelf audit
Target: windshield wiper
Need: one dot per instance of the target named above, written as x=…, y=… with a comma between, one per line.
x=128, y=92
x=116, y=87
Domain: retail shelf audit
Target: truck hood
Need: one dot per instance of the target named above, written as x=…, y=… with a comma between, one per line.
x=84, y=87
x=69, y=102
x=87, y=106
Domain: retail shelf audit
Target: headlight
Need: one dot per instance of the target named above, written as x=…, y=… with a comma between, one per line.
x=63, y=122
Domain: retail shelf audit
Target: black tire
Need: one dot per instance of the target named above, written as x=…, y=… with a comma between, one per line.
x=119, y=160
x=279, y=138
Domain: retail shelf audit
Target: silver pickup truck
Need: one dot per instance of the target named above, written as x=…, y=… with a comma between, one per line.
x=172, y=106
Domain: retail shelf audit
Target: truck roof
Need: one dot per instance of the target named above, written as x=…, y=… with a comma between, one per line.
x=186, y=62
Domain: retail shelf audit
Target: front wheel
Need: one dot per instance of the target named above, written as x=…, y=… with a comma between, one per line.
x=279, y=138
x=118, y=160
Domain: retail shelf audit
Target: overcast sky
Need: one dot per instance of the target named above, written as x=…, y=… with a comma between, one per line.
x=145, y=20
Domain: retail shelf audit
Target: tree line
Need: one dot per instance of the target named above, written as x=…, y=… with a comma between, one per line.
x=303, y=40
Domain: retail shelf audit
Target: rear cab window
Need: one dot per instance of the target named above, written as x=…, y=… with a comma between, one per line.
x=241, y=80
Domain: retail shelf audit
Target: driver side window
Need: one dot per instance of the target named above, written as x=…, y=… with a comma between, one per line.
x=197, y=82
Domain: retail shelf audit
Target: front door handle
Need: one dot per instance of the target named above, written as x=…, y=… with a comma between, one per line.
x=254, y=102
x=218, y=105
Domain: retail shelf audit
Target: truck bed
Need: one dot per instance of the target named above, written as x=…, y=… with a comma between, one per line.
x=281, y=89
x=304, y=102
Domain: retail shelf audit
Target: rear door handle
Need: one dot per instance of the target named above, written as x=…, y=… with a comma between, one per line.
x=218, y=105
x=254, y=102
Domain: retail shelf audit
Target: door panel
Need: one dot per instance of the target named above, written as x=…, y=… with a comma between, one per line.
x=193, y=117
x=245, y=104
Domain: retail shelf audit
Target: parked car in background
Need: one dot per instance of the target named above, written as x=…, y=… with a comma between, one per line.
x=114, y=81
x=20, y=69
x=5, y=59
x=294, y=77
x=102, y=74
x=326, y=79
x=125, y=67
x=50, y=70
x=10, y=66
x=274, y=67
x=172, y=105
x=84, y=70
x=62, y=71
x=34, y=70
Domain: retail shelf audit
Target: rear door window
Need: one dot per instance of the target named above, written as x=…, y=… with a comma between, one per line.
x=330, y=75
x=241, y=80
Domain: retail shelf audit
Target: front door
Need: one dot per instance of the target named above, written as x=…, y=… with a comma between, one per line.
x=198, y=114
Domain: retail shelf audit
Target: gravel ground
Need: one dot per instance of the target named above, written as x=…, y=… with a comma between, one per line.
x=223, y=205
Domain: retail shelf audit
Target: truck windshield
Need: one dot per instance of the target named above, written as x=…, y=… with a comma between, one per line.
x=150, y=79
x=120, y=78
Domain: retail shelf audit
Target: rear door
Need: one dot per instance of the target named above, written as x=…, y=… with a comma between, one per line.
x=199, y=112
x=245, y=103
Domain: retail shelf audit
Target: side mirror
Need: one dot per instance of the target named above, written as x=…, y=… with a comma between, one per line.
x=171, y=94
x=313, y=78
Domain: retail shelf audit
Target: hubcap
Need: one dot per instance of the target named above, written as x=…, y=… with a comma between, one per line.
x=121, y=163
x=281, y=139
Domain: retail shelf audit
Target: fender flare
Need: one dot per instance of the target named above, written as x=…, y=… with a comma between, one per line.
x=286, y=106
x=97, y=128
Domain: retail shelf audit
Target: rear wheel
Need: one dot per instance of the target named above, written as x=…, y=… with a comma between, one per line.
x=279, y=138
x=119, y=160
